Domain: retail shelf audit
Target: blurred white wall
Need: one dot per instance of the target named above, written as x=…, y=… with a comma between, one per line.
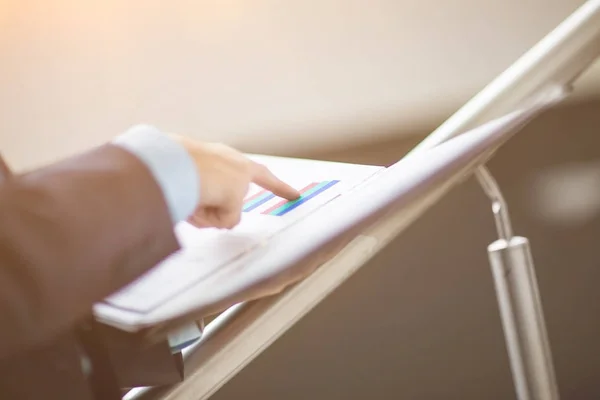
x=265, y=74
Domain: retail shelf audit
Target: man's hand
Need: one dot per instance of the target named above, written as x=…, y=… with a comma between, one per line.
x=225, y=176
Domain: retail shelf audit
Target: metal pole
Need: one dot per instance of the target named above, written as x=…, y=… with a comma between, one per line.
x=517, y=290
x=520, y=305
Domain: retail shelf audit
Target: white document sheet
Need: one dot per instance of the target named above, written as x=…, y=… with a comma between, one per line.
x=267, y=251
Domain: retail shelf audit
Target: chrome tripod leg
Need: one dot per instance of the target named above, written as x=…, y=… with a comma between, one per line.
x=520, y=305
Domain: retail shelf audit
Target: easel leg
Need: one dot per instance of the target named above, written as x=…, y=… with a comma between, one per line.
x=523, y=319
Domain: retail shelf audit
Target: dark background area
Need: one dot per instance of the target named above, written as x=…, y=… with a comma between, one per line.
x=420, y=321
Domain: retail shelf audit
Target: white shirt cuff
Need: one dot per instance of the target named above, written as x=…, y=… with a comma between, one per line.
x=171, y=165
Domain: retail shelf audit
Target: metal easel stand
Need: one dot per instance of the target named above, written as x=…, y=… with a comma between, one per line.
x=519, y=302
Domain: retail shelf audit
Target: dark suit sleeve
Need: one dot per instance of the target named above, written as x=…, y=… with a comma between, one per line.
x=72, y=233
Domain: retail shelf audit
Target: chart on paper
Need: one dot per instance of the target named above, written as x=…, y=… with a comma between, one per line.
x=264, y=202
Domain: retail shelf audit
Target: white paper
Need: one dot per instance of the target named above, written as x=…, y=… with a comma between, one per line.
x=282, y=242
x=273, y=256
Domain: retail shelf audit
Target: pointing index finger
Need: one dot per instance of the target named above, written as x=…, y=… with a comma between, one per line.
x=263, y=177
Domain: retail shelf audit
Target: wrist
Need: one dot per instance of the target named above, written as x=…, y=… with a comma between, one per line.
x=171, y=164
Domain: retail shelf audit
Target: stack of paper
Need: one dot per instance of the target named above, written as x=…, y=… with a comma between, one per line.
x=279, y=242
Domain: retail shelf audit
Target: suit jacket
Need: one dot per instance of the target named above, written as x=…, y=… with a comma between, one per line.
x=71, y=234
